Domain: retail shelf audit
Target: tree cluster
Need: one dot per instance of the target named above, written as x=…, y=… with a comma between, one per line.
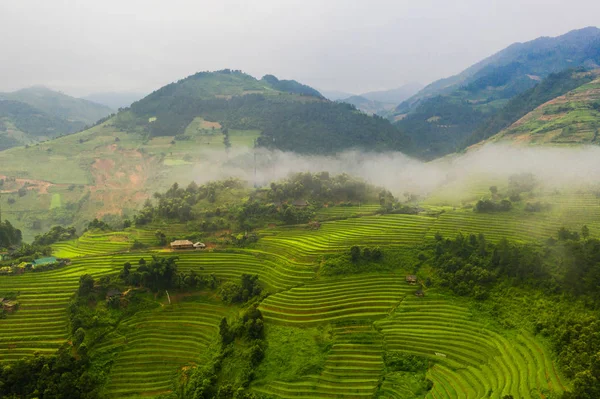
x=9, y=235
x=487, y=206
x=58, y=376
x=232, y=292
x=55, y=234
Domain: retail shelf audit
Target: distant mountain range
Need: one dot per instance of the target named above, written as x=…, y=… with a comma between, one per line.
x=447, y=112
x=115, y=100
x=38, y=113
x=376, y=102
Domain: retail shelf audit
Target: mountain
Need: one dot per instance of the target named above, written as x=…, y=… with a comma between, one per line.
x=115, y=100
x=335, y=95
x=571, y=118
x=368, y=106
x=553, y=86
x=60, y=105
x=290, y=116
x=21, y=124
x=445, y=113
x=394, y=96
x=37, y=113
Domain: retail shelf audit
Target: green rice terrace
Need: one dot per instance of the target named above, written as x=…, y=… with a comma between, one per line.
x=361, y=304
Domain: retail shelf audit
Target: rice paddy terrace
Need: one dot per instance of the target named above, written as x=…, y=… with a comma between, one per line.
x=369, y=314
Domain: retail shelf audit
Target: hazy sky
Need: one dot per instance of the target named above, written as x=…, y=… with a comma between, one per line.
x=120, y=45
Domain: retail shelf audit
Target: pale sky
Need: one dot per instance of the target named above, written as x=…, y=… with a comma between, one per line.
x=87, y=46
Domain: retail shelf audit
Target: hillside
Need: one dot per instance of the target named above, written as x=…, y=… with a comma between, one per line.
x=114, y=100
x=394, y=96
x=381, y=102
x=36, y=114
x=22, y=124
x=290, y=116
x=447, y=112
x=572, y=118
x=60, y=105
x=368, y=106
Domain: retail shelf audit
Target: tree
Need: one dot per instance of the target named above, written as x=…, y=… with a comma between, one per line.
x=161, y=237
x=494, y=190
x=355, y=253
x=585, y=232
x=86, y=285
x=225, y=332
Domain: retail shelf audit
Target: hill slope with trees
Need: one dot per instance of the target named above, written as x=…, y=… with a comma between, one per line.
x=289, y=115
x=484, y=89
x=38, y=113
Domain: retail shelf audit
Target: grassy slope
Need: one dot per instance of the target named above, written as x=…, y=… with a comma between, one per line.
x=568, y=119
x=103, y=171
x=60, y=105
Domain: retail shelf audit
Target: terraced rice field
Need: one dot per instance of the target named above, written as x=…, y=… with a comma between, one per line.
x=518, y=225
x=353, y=298
x=352, y=369
x=339, y=212
x=229, y=265
x=386, y=230
x=471, y=360
x=151, y=347
x=100, y=243
x=40, y=324
x=93, y=244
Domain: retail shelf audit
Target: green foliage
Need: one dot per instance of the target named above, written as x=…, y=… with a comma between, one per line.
x=248, y=288
x=98, y=225
x=486, y=205
x=159, y=274
x=59, y=376
x=9, y=235
x=56, y=233
x=399, y=361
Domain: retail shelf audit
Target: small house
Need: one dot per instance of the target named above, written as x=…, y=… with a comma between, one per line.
x=419, y=293
x=9, y=306
x=300, y=203
x=4, y=255
x=411, y=279
x=112, y=293
x=182, y=244
x=199, y=245
x=44, y=261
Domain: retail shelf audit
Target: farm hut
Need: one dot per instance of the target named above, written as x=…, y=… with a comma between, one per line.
x=419, y=293
x=411, y=279
x=113, y=292
x=9, y=306
x=300, y=203
x=44, y=261
x=199, y=245
x=182, y=244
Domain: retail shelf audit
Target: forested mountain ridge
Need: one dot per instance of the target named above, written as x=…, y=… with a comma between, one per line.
x=60, y=105
x=37, y=113
x=572, y=118
x=444, y=114
x=289, y=115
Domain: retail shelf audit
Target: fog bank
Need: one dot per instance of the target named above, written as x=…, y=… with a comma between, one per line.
x=555, y=167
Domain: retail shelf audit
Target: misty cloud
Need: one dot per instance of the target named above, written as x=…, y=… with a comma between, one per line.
x=554, y=167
